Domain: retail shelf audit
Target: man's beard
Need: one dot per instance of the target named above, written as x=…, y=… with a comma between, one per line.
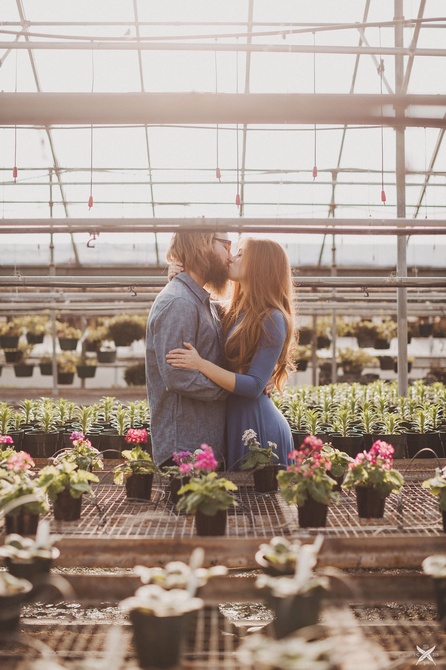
x=218, y=274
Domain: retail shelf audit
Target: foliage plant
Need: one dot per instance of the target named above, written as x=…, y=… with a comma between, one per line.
x=26, y=549
x=137, y=460
x=160, y=602
x=339, y=460
x=279, y=553
x=66, y=476
x=437, y=486
x=16, y=481
x=307, y=477
x=178, y=575
x=208, y=493
x=258, y=456
x=374, y=469
x=6, y=418
x=64, y=329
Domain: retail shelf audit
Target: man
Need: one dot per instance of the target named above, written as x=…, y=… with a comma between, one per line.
x=186, y=408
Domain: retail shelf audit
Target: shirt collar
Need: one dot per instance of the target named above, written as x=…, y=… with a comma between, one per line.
x=199, y=291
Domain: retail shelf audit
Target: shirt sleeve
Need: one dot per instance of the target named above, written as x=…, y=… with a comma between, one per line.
x=178, y=323
x=251, y=384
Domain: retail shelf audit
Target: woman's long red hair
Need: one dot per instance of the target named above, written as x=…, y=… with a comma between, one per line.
x=267, y=286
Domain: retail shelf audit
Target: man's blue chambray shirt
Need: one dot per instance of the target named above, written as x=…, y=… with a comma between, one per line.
x=186, y=408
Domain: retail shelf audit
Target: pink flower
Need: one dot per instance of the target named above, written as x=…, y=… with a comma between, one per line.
x=205, y=459
x=6, y=439
x=180, y=457
x=76, y=436
x=313, y=442
x=185, y=468
x=19, y=462
x=136, y=435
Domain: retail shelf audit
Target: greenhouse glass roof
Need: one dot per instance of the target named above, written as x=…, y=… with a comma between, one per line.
x=242, y=110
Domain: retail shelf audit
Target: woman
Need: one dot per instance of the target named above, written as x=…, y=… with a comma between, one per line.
x=258, y=324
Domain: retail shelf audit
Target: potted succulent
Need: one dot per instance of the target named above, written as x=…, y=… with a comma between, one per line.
x=437, y=487
x=372, y=476
x=296, y=600
x=259, y=651
x=307, y=484
x=208, y=496
x=27, y=558
x=260, y=460
x=82, y=453
x=65, y=485
x=179, y=575
x=160, y=620
x=13, y=592
x=279, y=556
x=138, y=468
x=435, y=567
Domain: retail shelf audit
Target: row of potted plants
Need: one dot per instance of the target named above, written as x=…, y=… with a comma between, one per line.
x=122, y=330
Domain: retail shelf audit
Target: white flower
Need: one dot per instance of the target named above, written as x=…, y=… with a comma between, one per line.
x=249, y=435
x=272, y=445
x=435, y=566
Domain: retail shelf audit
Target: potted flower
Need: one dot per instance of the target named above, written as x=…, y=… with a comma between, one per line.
x=94, y=338
x=385, y=331
x=260, y=459
x=107, y=352
x=353, y=361
x=10, y=332
x=17, y=485
x=27, y=558
x=126, y=328
x=82, y=453
x=66, y=367
x=36, y=328
x=372, y=476
x=22, y=366
x=68, y=336
x=86, y=367
x=138, y=468
x=437, y=487
x=296, y=600
x=187, y=464
x=208, y=497
x=160, y=620
x=435, y=567
x=339, y=464
x=65, y=485
x=307, y=484
x=13, y=593
x=365, y=332
x=279, y=556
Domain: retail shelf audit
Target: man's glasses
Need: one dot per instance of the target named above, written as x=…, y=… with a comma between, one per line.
x=226, y=243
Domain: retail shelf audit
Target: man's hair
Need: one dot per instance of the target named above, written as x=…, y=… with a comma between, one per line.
x=193, y=250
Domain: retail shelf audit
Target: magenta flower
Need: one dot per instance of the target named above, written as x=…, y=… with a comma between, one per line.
x=180, y=457
x=205, y=459
x=136, y=436
x=185, y=468
x=76, y=436
x=6, y=439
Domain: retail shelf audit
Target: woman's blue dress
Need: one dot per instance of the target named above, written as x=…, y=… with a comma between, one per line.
x=249, y=408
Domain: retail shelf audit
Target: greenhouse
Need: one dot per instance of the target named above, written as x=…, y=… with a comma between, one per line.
x=222, y=334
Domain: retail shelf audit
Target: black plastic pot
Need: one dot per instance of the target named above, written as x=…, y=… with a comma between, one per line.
x=312, y=514
x=65, y=378
x=381, y=343
x=23, y=369
x=440, y=598
x=409, y=366
x=339, y=480
x=158, y=640
x=30, y=571
x=68, y=343
x=425, y=329
x=175, y=484
x=369, y=502
x=351, y=444
x=139, y=487
x=322, y=342
x=67, y=508
x=417, y=441
x=295, y=612
x=398, y=442
x=46, y=369
x=210, y=525
x=106, y=356
x=365, y=340
x=302, y=365
x=86, y=371
x=10, y=609
x=34, y=338
x=39, y=444
x=9, y=342
x=305, y=336
x=13, y=355
x=21, y=521
x=265, y=479
x=385, y=362
x=443, y=518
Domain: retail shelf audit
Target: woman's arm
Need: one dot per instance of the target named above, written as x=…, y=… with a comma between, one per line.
x=190, y=359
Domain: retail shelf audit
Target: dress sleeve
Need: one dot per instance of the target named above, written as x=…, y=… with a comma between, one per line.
x=251, y=384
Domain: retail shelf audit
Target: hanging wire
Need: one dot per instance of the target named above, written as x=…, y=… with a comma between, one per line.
x=380, y=70
x=315, y=127
x=425, y=172
x=217, y=169
x=90, y=199
x=237, y=197
x=14, y=169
